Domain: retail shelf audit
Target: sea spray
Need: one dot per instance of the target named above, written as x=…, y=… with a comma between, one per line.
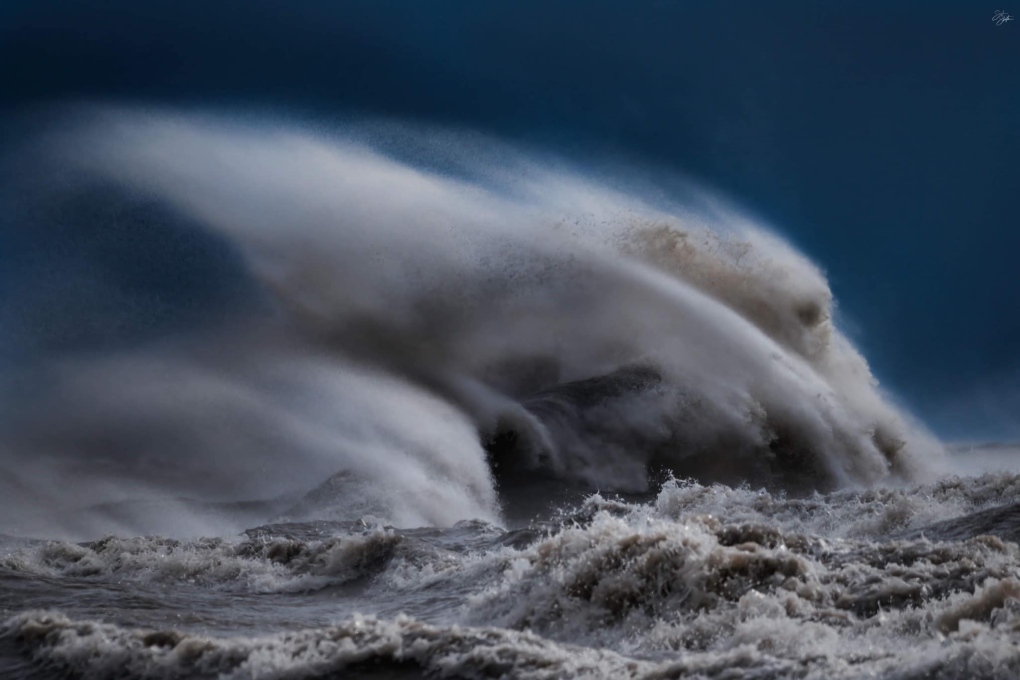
x=402, y=297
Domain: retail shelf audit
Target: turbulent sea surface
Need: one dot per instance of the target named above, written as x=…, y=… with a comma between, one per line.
x=491, y=417
x=695, y=581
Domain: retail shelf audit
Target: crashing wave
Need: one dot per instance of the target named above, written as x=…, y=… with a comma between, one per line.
x=421, y=316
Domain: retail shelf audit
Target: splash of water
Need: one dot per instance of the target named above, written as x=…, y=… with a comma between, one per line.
x=421, y=315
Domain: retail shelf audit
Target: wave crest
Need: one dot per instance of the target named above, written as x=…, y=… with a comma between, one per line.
x=412, y=303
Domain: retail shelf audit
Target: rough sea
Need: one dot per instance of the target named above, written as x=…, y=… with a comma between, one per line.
x=490, y=416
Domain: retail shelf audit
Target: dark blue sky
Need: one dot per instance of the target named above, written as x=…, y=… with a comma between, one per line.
x=880, y=137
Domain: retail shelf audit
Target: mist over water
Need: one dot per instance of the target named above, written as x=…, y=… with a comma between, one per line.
x=421, y=314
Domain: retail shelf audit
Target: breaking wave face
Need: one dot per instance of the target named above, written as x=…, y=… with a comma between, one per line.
x=441, y=334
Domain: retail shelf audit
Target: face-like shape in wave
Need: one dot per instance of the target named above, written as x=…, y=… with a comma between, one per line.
x=431, y=331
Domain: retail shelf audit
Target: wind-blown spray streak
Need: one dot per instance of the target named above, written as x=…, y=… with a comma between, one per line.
x=422, y=315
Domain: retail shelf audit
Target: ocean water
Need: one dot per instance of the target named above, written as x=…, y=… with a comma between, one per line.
x=496, y=418
x=694, y=581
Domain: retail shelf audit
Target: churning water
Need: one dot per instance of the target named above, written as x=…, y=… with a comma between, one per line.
x=496, y=419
